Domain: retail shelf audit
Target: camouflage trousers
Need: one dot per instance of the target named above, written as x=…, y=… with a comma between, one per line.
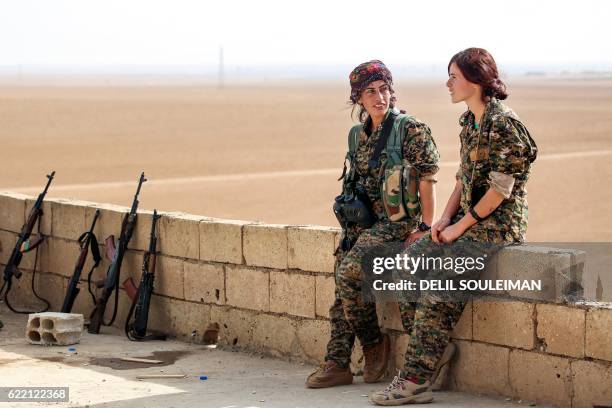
x=350, y=316
x=429, y=320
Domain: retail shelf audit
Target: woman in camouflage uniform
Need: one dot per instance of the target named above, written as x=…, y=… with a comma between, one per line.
x=373, y=95
x=488, y=206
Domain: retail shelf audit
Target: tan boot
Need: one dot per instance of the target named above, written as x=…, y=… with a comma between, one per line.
x=376, y=358
x=439, y=376
x=329, y=374
x=402, y=391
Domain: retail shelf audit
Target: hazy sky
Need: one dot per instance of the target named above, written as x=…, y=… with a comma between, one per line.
x=64, y=33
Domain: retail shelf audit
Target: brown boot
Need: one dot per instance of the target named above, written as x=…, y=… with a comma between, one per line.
x=376, y=358
x=329, y=374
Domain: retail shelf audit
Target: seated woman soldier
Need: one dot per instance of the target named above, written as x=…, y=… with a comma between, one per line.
x=393, y=160
x=487, y=208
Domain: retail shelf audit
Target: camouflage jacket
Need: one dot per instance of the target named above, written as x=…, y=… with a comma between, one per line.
x=419, y=150
x=502, y=161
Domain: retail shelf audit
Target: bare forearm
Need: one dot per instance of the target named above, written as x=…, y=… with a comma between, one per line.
x=452, y=206
x=427, y=193
x=487, y=204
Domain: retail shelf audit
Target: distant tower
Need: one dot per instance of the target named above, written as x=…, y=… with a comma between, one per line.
x=221, y=67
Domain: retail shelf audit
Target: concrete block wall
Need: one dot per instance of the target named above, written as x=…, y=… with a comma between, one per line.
x=269, y=289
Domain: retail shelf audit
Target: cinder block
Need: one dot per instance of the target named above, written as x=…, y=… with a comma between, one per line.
x=179, y=235
x=504, y=322
x=54, y=329
x=247, y=288
x=45, y=219
x=592, y=384
x=204, y=283
x=540, y=378
x=463, y=328
x=265, y=245
x=221, y=240
x=598, y=339
x=559, y=270
x=311, y=248
x=561, y=329
x=325, y=287
x=68, y=220
x=186, y=321
x=312, y=338
x=292, y=293
x=235, y=326
x=473, y=370
x=12, y=211
x=274, y=335
x=169, y=277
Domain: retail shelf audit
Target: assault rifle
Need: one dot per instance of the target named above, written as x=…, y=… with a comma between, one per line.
x=24, y=245
x=112, y=275
x=141, y=296
x=86, y=240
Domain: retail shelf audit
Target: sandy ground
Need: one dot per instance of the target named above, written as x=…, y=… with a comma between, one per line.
x=273, y=152
x=97, y=378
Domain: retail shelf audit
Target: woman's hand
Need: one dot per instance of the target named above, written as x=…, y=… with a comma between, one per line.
x=451, y=233
x=415, y=235
x=438, y=227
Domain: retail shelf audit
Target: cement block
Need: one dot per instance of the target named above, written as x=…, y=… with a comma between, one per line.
x=507, y=323
x=61, y=256
x=186, y=321
x=473, y=371
x=560, y=329
x=463, y=329
x=12, y=211
x=312, y=338
x=274, y=335
x=559, y=271
x=109, y=221
x=540, y=378
x=247, y=288
x=389, y=316
x=265, y=245
x=235, y=326
x=45, y=219
x=142, y=231
x=592, y=384
x=68, y=220
x=169, y=277
x=179, y=235
x=54, y=329
x=292, y=293
x=7, y=243
x=598, y=340
x=221, y=240
x=204, y=283
x=325, y=287
x=311, y=248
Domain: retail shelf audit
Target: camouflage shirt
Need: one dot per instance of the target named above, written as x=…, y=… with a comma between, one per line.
x=419, y=150
x=502, y=161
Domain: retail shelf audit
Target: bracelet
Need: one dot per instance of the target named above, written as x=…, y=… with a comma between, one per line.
x=474, y=214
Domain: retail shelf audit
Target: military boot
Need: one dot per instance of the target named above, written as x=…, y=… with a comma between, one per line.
x=376, y=358
x=329, y=374
x=403, y=391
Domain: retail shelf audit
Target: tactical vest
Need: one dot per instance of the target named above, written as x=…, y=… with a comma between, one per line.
x=399, y=186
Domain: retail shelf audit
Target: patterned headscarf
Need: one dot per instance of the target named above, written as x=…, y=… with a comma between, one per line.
x=366, y=73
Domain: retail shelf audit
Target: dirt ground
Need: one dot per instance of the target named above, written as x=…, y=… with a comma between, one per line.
x=273, y=151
